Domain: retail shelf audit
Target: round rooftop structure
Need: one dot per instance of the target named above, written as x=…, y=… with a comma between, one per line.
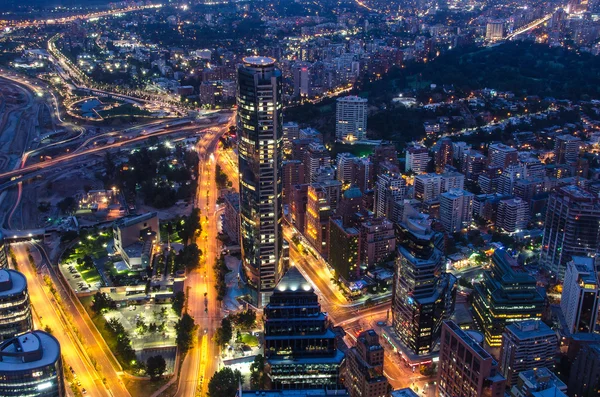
x=258, y=61
x=476, y=336
x=31, y=365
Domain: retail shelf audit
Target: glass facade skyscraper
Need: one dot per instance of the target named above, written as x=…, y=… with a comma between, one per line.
x=260, y=140
x=423, y=296
x=299, y=346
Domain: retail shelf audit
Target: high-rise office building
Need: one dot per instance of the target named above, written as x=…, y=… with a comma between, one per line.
x=512, y=215
x=572, y=228
x=507, y=294
x=456, y=209
x=378, y=241
x=351, y=118
x=364, y=363
x=293, y=174
x=580, y=297
x=584, y=378
x=494, y=30
x=422, y=297
x=465, y=368
x=231, y=217
x=259, y=125
x=527, y=345
x=31, y=365
x=344, y=249
x=299, y=347
x=15, y=308
x=566, y=149
x=318, y=212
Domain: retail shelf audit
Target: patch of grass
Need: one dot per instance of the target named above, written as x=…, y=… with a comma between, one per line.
x=145, y=388
x=250, y=340
x=99, y=322
x=90, y=276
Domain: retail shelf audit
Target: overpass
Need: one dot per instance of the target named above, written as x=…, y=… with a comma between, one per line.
x=531, y=25
x=15, y=236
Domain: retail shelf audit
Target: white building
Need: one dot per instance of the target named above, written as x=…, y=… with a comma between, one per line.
x=351, y=119
x=579, y=300
x=345, y=166
x=417, y=159
x=456, y=209
x=390, y=187
x=494, y=30
x=513, y=215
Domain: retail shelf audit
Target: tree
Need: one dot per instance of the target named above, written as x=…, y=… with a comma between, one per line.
x=224, y=383
x=102, y=302
x=257, y=372
x=245, y=319
x=185, y=328
x=155, y=367
x=67, y=205
x=178, y=302
x=224, y=332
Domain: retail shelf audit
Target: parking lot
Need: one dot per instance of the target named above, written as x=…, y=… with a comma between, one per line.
x=76, y=280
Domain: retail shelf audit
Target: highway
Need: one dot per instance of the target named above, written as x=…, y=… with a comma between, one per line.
x=203, y=360
x=95, y=346
x=85, y=153
x=47, y=314
x=90, y=15
x=529, y=26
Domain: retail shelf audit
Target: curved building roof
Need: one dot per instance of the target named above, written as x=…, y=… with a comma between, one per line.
x=259, y=61
x=11, y=282
x=28, y=351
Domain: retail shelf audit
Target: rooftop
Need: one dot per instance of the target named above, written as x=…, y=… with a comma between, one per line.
x=259, y=61
x=28, y=351
x=529, y=329
x=11, y=282
x=292, y=280
x=406, y=392
x=295, y=393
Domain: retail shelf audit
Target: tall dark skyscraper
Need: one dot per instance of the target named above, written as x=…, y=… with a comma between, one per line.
x=259, y=124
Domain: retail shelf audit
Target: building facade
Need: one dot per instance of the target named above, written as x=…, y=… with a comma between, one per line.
x=378, y=241
x=422, y=297
x=299, y=346
x=465, y=368
x=15, y=307
x=507, y=294
x=581, y=295
x=527, y=345
x=456, y=209
x=344, y=249
x=351, y=119
x=31, y=365
x=260, y=140
x=572, y=228
x=364, y=363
